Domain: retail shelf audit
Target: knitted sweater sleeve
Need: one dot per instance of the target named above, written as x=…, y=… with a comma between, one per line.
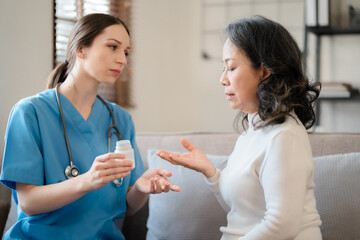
x=213, y=182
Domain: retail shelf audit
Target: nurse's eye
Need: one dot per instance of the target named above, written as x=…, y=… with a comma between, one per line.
x=113, y=47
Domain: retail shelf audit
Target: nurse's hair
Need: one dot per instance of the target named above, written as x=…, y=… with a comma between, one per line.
x=268, y=44
x=83, y=34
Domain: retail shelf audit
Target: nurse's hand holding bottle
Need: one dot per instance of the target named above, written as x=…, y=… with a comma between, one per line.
x=107, y=168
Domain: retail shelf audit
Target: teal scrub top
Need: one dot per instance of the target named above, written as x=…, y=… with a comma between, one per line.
x=35, y=153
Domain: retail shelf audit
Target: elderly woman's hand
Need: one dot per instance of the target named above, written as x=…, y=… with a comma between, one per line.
x=195, y=159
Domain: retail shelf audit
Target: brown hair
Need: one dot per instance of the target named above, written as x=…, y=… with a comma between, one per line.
x=83, y=34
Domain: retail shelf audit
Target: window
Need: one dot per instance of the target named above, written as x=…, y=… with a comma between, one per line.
x=66, y=13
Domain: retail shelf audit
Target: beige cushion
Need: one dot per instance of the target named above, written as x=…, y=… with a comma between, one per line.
x=193, y=213
x=337, y=192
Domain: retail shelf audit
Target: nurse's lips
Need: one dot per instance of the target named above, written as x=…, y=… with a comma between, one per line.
x=116, y=71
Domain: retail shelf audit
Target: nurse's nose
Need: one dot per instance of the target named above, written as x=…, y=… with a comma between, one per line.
x=121, y=58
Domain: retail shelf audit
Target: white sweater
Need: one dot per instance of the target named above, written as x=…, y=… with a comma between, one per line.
x=267, y=187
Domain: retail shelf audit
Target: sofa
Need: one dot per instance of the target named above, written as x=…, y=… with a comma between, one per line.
x=194, y=213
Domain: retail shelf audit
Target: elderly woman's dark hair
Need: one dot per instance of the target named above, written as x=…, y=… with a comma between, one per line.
x=267, y=43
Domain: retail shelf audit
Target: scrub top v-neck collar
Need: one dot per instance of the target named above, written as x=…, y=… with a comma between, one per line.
x=86, y=128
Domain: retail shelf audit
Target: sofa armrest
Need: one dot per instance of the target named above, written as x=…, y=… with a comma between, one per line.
x=4, y=212
x=134, y=227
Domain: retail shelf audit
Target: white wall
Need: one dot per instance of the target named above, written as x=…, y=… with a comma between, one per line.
x=173, y=88
x=25, y=53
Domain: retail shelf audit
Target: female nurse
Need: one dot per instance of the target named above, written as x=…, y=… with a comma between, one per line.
x=267, y=187
x=87, y=206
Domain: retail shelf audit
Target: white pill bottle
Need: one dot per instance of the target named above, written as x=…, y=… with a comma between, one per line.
x=124, y=147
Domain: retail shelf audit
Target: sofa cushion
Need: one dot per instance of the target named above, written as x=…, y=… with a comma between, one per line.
x=193, y=213
x=337, y=192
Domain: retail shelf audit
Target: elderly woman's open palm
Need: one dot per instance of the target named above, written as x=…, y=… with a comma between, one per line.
x=195, y=159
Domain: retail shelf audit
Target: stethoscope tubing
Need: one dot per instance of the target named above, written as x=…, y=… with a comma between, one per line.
x=63, y=124
x=117, y=132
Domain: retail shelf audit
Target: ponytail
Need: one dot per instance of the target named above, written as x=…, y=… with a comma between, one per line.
x=58, y=75
x=82, y=35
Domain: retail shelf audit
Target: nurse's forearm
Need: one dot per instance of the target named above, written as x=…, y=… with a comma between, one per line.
x=135, y=200
x=34, y=200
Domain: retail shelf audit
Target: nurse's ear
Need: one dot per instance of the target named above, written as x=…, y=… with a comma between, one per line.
x=81, y=52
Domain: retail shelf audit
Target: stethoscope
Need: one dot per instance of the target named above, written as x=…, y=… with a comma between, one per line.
x=71, y=170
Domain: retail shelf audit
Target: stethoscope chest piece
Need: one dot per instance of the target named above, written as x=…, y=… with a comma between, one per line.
x=71, y=171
